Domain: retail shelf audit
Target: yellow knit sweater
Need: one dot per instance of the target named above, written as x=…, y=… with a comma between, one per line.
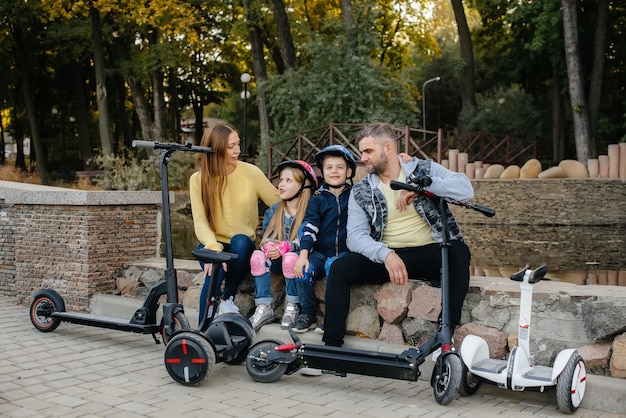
x=240, y=214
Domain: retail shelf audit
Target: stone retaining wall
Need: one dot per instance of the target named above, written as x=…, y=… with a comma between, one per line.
x=70, y=240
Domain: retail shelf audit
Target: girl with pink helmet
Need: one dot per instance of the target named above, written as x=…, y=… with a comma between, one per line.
x=280, y=243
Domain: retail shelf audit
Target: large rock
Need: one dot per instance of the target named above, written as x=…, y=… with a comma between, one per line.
x=425, y=303
x=391, y=334
x=511, y=172
x=574, y=169
x=596, y=355
x=417, y=330
x=618, y=359
x=364, y=321
x=530, y=169
x=493, y=171
x=553, y=173
x=393, y=301
x=496, y=340
x=603, y=318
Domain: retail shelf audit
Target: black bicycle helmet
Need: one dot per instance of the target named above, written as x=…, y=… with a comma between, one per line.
x=339, y=151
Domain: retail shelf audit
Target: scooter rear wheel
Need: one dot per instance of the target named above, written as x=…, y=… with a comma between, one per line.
x=45, y=302
x=189, y=358
x=259, y=367
x=446, y=378
x=570, y=385
x=180, y=322
x=469, y=382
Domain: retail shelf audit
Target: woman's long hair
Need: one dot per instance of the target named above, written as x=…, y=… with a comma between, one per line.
x=213, y=168
x=276, y=228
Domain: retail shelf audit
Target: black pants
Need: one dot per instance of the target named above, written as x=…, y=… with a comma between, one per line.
x=421, y=263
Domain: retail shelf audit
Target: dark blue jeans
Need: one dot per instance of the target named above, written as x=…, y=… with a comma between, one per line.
x=421, y=263
x=319, y=265
x=241, y=245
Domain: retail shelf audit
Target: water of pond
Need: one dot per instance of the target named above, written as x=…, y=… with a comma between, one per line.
x=577, y=254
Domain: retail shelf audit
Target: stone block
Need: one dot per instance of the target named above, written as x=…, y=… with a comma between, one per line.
x=613, y=152
x=496, y=340
x=618, y=359
x=530, y=169
x=596, y=355
x=511, y=172
x=574, y=169
x=393, y=301
x=364, y=320
x=553, y=173
x=425, y=303
x=391, y=334
x=493, y=171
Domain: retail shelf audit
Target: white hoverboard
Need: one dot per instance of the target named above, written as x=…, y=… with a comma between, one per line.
x=519, y=372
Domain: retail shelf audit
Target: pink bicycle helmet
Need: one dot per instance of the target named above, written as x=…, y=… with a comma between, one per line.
x=308, y=171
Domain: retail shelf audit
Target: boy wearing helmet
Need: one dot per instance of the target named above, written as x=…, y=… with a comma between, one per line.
x=323, y=232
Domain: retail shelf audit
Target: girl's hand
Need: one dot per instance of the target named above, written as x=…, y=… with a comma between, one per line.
x=272, y=251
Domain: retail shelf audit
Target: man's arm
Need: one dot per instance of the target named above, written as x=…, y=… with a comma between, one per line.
x=359, y=239
x=447, y=183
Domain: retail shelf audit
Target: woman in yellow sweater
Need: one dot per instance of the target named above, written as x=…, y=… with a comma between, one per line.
x=224, y=198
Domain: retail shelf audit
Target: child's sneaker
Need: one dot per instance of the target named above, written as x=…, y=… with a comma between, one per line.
x=227, y=306
x=263, y=314
x=309, y=371
x=303, y=323
x=289, y=317
x=319, y=329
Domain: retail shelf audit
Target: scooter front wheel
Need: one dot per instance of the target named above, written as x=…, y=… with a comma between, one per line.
x=446, y=378
x=180, y=323
x=262, y=369
x=189, y=358
x=570, y=385
x=45, y=302
x=469, y=382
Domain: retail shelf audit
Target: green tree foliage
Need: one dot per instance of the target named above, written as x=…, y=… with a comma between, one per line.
x=338, y=87
x=506, y=110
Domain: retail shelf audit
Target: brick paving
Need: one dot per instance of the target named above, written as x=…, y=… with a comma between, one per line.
x=80, y=371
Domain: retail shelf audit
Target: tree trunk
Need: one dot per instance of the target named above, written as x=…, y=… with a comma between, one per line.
x=575, y=78
x=468, y=100
x=287, y=48
x=158, y=99
x=260, y=74
x=352, y=39
x=597, y=72
x=24, y=70
x=101, y=88
x=558, y=118
x=82, y=117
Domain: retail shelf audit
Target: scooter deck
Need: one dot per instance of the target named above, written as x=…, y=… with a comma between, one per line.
x=105, y=322
x=342, y=361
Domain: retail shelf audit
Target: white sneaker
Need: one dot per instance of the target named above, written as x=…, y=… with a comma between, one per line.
x=263, y=314
x=289, y=317
x=310, y=371
x=227, y=306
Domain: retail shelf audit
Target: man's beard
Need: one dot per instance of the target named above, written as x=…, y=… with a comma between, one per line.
x=379, y=166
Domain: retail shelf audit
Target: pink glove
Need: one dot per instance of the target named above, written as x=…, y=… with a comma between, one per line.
x=283, y=247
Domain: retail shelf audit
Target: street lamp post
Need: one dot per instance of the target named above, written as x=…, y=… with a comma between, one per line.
x=245, y=79
x=424, y=102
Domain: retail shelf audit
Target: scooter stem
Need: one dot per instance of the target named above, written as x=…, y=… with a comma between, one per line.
x=525, y=311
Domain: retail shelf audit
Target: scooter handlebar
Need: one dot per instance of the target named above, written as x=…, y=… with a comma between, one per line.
x=171, y=146
x=398, y=185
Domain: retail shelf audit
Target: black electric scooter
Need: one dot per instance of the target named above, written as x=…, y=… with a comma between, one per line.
x=47, y=310
x=268, y=360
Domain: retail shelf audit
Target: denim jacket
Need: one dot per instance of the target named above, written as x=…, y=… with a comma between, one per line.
x=368, y=215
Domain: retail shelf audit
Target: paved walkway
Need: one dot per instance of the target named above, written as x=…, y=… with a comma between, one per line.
x=79, y=371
